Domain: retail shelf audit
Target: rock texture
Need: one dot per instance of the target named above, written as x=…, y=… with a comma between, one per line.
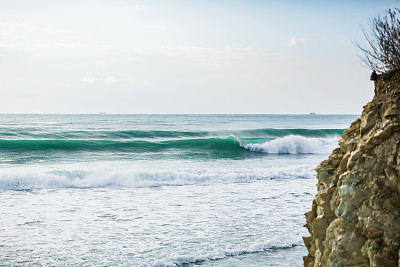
x=355, y=217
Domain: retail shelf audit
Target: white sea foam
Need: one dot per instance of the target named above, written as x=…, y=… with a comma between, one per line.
x=37, y=178
x=294, y=144
x=169, y=226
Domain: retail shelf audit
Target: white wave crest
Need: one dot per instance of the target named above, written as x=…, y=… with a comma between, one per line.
x=38, y=178
x=294, y=144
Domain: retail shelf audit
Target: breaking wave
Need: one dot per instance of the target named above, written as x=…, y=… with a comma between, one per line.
x=295, y=145
x=114, y=177
x=292, y=144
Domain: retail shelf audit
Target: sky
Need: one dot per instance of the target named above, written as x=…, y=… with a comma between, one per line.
x=184, y=56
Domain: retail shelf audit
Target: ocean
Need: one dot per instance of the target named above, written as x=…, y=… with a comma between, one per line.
x=159, y=190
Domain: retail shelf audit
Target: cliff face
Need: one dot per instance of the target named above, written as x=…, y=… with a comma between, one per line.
x=355, y=217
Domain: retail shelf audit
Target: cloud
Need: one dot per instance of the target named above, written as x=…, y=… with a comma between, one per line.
x=128, y=81
x=134, y=8
x=202, y=54
x=110, y=80
x=88, y=79
x=294, y=41
x=150, y=26
x=10, y=30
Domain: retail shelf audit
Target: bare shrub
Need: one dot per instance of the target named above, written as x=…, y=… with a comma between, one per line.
x=382, y=51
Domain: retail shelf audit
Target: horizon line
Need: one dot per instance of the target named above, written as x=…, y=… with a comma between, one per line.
x=106, y=113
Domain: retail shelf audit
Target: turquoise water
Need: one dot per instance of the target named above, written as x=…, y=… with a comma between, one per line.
x=159, y=190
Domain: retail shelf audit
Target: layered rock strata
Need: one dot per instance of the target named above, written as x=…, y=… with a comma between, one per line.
x=355, y=217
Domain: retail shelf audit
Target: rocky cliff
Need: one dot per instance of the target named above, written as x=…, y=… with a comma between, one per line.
x=355, y=217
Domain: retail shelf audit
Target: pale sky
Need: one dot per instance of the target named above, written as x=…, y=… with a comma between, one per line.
x=184, y=56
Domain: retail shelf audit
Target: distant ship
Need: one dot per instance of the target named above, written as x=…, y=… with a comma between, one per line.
x=102, y=113
x=312, y=113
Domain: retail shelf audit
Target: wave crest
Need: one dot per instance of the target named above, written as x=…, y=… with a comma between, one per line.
x=294, y=144
x=28, y=179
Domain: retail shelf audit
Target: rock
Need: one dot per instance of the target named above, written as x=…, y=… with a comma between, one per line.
x=355, y=217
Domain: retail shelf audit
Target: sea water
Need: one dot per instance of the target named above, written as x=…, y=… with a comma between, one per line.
x=159, y=190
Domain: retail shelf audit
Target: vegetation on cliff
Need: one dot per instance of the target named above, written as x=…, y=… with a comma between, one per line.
x=382, y=52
